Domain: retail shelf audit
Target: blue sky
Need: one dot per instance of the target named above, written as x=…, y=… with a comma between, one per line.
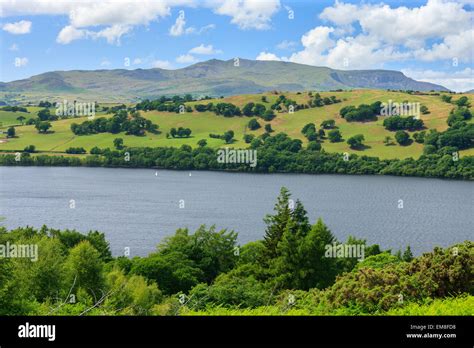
x=427, y=40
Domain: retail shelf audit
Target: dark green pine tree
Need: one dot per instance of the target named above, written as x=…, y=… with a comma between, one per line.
x=276, y=224
x=407, y=254
x=300, y=218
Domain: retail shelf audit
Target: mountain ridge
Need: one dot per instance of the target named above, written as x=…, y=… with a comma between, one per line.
x=213, y=77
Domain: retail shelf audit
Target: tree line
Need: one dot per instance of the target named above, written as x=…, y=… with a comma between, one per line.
x=208, y=270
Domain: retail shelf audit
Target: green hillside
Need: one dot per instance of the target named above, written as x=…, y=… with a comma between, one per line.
x=204, y=123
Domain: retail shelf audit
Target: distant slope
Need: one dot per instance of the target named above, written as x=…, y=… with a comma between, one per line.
x=213, y=77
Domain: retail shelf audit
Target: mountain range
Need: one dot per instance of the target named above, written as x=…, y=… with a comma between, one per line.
x=213, y=78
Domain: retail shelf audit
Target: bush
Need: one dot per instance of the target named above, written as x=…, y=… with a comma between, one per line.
x=355, y=142
x=76, y=150
x=30, y=148
x=334, y=136
x=402, y=137
x=314, y=146
x=253, y=124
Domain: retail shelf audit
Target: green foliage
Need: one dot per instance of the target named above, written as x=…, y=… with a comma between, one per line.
x=202, y=143
x=446, y=98
x=462, y=102
x=43, y=127
x=290, y=272
x=328, y=124
x=459, y=115
x=276, y=224
x=419, y=137
x=280, y=153
x=118, y=143
x=76, y=150
x=11, y=132
x=84, y=269
x=132, y=295
x=248, y=138
x=253, y=124
x=361, y=113
x=402, y=137
x=424, y=109
x=334, y=136
x=314, y=146
x=355, y=142
x=394, y=123
x=230, y=289
x=30, y=149
x=434, y=275
x=121, y=121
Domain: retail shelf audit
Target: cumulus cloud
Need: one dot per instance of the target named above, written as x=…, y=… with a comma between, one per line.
x=268, y=56
x=120, y=18
x=396, y=25
x=179, y=27
x=204, y=50
x=248, y=14
x=456, y=46
x=18, y=28
x=162, y=64
x=186, y=59
x=70, y=33
x=438, y=30
x=111, y=34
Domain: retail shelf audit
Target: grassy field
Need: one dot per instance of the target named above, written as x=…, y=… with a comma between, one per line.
x=204, y=123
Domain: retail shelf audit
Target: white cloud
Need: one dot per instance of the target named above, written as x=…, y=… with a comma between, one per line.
x=137, y=61
x=18, y=28
x=315, y=43
x=20, y=62
x=179, y=27
x=458, y=81
x=206, y=28
x=162, y=64
x=437, y=18
x=439, y=30
x=186, y=58
x=111, y=34
x=120, y=17
x=248, y=14
x=458, y=46
x=267, y=56
x=287, y=45
x=13, y=47
x=70, y=33
x=204, y=50
x=105, y=62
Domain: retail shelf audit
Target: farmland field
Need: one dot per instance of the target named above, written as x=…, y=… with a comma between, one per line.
x=204, y=123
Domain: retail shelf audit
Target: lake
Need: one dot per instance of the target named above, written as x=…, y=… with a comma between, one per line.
x=137, y=208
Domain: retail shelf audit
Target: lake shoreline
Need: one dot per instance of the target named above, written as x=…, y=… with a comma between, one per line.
x=137, y=208
x=230, y=171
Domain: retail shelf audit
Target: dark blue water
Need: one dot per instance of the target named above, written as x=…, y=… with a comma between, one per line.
x=136, y=208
